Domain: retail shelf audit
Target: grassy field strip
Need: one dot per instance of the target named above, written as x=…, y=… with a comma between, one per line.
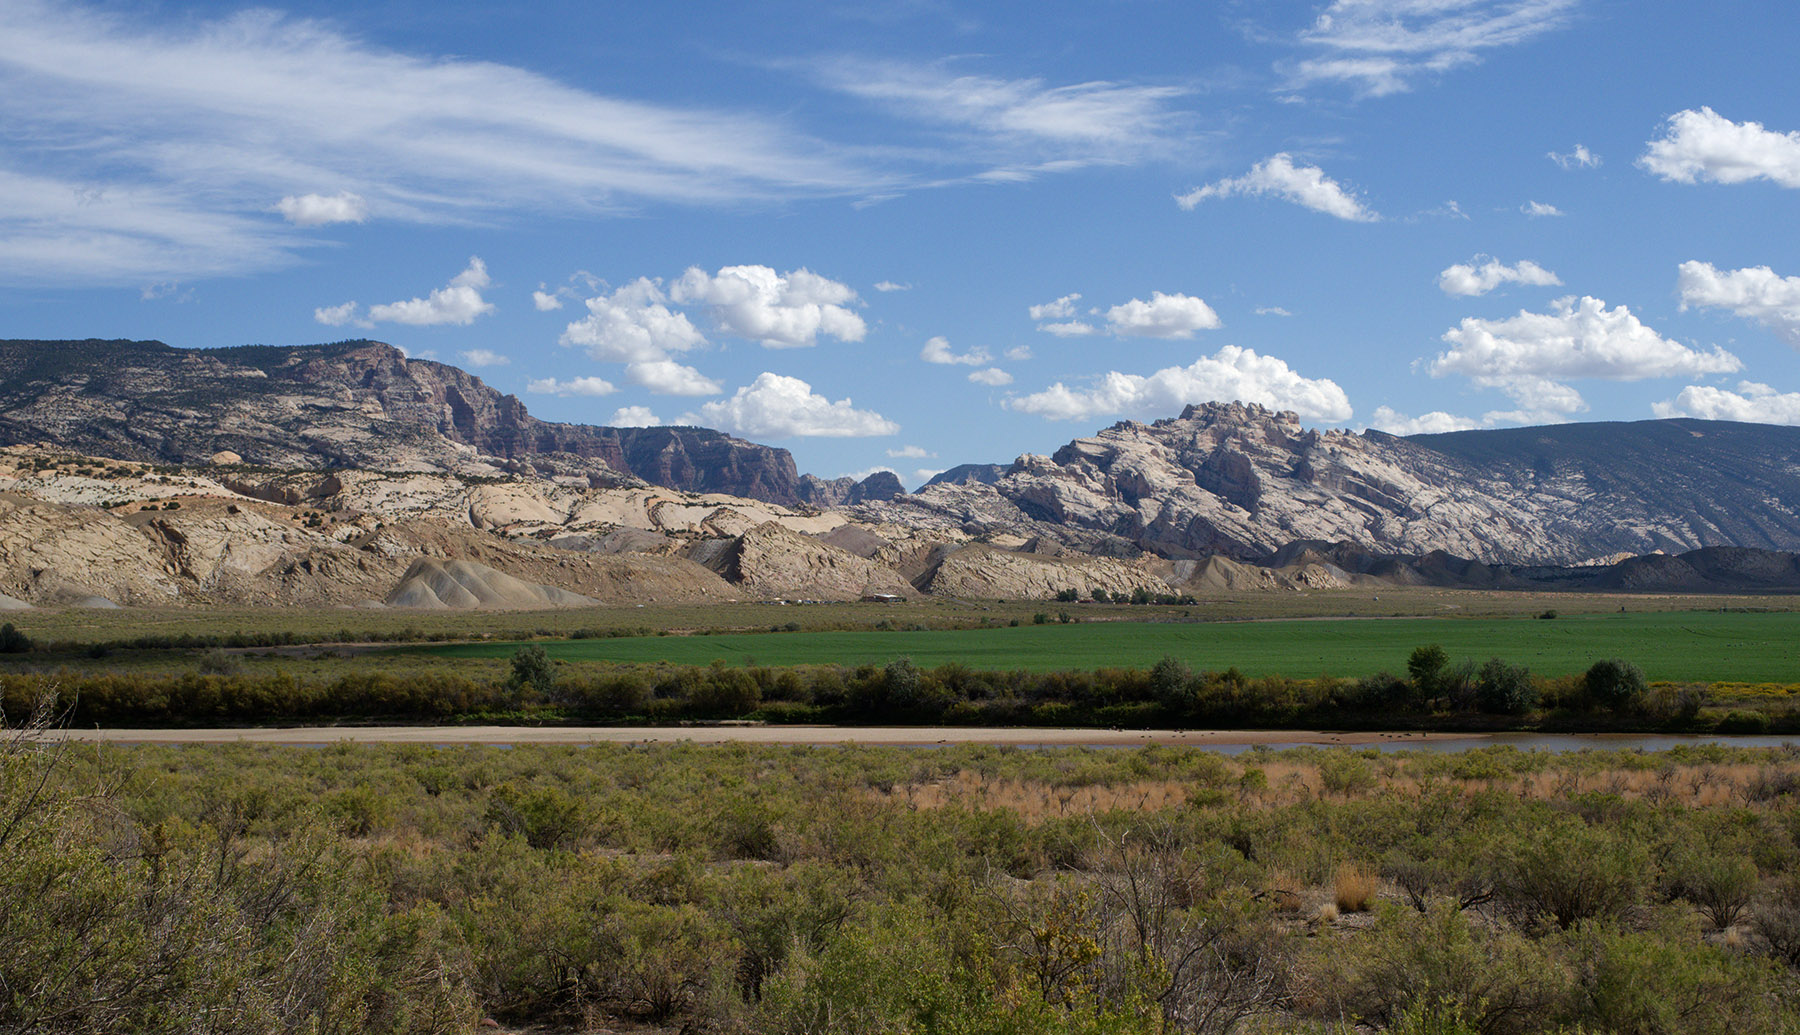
x=1685, y=647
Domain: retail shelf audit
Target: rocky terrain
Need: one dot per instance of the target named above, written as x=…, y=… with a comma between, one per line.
x=348, y=475
x=1242, y=482
x=353, y=404
x=102, y=532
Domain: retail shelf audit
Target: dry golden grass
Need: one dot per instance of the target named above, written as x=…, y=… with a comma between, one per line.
x=1353, y=888
x=1291, y=782
x=1036, y=801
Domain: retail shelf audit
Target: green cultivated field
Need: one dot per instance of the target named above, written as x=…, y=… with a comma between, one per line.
x=1680, y=646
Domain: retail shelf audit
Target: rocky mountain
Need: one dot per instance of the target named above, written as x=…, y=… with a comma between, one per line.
x=359, y=404
x=987, y=473
x=1242, y=482
x=838, y=492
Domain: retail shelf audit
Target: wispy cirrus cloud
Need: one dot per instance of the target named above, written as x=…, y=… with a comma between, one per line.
x=1021, y=127
x=1379, y=47
x=162, y=149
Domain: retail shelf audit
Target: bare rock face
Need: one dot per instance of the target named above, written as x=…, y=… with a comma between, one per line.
x=353, y=404
x=979, y=570
x=838, y=492
x=773, y=561
x=1242, y=481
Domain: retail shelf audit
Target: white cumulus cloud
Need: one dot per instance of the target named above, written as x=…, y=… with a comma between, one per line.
x=1577, y=157
x=937, y=350
x=1540, y=209
x=1232, y=373
x=1532, y=356
x=1019, y=353
x=1164, y=316
x=321, y=210
x=633, y=324
x=911, y=453
x=588, y=386
x=1471, y=279
x=1706, y=146
x=1436, y=422
x=483, y=358
x=339, y=315
x=667, y=377
x=992, y=376
x=1752, y=402
x=890, y=285
x=634, y=417
x=1754, y=293
x=780, y=310
x=545, y=301
x=1061, y=309
x=1272, y=310
x=1278, y=176
x=459, y=302
x=774, y=406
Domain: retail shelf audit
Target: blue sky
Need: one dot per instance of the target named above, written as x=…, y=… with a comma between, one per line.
x=943, y=233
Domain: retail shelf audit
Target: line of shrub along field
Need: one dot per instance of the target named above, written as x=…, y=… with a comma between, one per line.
x=1695, y=647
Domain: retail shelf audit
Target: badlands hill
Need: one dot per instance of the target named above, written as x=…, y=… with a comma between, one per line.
x=355, y=404
x=1243, y=482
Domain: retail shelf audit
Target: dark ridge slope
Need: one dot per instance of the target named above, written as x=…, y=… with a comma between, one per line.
x=1722, y=476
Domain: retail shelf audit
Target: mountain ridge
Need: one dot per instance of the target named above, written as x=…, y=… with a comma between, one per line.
x=1243, y=481
x=355, y=403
